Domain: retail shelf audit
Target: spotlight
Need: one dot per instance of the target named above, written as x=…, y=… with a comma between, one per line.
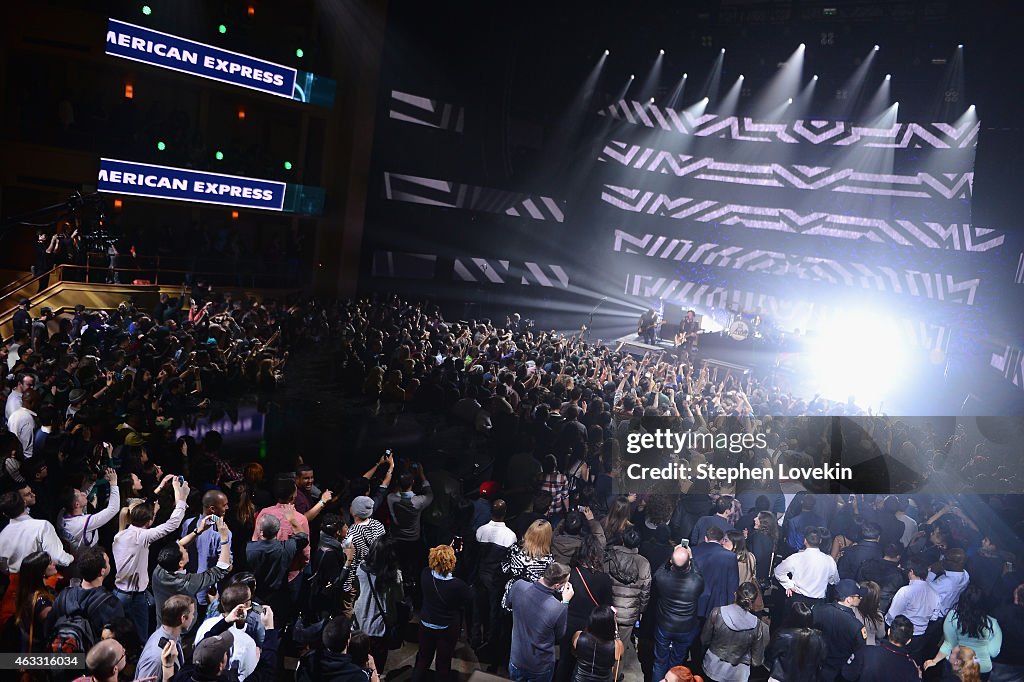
x=802, y=46
x=888, y=76
x=876, y=48
x=789, y=101
x=814, y=77
x=661, y=51
x=971, y=108
x=222, y=29
x=723, y=50
x=705, y=100
x=960, y=46
x=299, y=52
x=147, y=10
x=631, y=76
x=161, y=146
x=219, y=155
x=896, y=104
x=606, y=53
x=652, y=100
x=287, y=165
x=684, y=75
x=741, y=76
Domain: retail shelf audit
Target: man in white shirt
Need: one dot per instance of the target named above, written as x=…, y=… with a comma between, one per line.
x=80, y=528
x=25, y=382
x=951, y=583
x=807, y=574
x=25, y=535
x=22, y=422
x=919, y=602
x=493, y=540
x=131, y=556
x=244, y=654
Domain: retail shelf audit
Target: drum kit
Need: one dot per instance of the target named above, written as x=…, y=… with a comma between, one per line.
x=744, y=326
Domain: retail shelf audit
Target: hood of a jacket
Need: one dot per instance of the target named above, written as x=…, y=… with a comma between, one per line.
x=621, y=564
x=738, y=618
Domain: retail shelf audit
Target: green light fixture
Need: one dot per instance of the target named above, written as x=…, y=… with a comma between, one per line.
x=161, y=146
x=219, y=155
x=287, y=165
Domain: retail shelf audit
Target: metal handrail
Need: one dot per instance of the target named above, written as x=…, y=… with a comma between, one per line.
x=17, y=284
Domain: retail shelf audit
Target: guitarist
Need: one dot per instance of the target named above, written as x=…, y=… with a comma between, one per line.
x=647, y=325
x=686, y=339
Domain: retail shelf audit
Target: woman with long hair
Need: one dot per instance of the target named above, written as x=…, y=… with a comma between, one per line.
x=529, y=559
x=588, y=577
x=869, y=613
x=797, y=653
x=379, y=582
x=34, y=600
x=735, y=638
x=597, y=650
x=747, y=563
x=968, y=624
x=241, y=520
x=617, y=520
x=762, y=543
x=444, y=599
x=964, y=666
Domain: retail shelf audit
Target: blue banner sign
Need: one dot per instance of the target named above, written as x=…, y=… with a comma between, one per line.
x=182, y=184
x=187, y=56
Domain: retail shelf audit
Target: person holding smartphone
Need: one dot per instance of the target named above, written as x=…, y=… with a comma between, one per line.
x=177, y=617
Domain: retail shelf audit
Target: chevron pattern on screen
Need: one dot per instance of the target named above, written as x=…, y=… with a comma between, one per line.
x=931, y=285
x=422, y=111
x=499, y=271
x=815, y=132
x=927, y=234
x=433, y=192
x=795, y=176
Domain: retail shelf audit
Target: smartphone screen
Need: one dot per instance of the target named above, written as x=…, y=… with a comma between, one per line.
x=685, y=542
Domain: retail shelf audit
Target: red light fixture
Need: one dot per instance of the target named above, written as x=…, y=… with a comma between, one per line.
x=117, y=204
x=251, y=11
x=234, y=215
x=241, y=114
x=129, y=91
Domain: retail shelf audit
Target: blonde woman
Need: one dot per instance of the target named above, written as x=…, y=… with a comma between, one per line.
x=529, y=559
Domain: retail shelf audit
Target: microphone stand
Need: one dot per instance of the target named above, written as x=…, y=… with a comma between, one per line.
x=590, y=318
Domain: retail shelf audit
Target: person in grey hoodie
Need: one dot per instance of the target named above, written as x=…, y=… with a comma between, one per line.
x=735, y=638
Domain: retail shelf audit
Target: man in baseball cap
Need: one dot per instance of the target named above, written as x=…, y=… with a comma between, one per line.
x=212, y=654
x=844, y=634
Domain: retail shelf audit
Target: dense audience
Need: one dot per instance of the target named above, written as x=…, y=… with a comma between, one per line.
x=163, y=557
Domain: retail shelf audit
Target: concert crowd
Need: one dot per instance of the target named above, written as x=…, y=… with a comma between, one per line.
x=520, y=547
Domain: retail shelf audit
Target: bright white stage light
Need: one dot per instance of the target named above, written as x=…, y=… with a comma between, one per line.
x=789, y=101
x=888, y=76
x=631, y=76
x=865, y=357
x=876, y=48
x=960, y=46
x=661, y=51
x=652, y=100
x=741, y=76
x=971, y=107
x=814, y=77
x=723, y=50
x=606, y=53
x=684, y=75
x=802, y=46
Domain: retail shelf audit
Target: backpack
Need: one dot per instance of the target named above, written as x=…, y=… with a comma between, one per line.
x=72, y=634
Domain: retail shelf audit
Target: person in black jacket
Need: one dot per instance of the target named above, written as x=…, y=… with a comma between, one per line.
x=1009, y=664
x=886, y=572
x=797, y=653
x=676, y=588
x=333, y=663
x=445, y=597
x=92, y=600
x=721, y=574
x=891, y=528
x=868, y=549
x=330, y=567
x=843, y=632
x=269, y=559
x=887, y=662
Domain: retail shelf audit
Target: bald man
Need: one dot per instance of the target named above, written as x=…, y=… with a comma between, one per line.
x=105, y=660
x=206, y=552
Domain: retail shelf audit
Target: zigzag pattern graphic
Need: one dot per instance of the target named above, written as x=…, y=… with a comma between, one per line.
x=495, y=271
x=817, y=132
x=432, y=192
x=791, y=314
x=935, y=286
x=426, y=112
x=931, y=235
x=920, y=185
x=1010, y=362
